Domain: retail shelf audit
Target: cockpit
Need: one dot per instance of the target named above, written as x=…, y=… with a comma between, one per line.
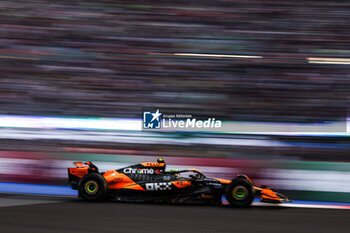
x=189, y=174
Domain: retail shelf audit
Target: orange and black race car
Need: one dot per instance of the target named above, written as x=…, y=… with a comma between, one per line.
x=149, y=182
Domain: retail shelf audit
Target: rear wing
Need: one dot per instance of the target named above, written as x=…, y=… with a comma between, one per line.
x=79, y=165
x=79, y=171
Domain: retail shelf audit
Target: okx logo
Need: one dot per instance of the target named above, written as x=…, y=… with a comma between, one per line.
x=151, y=120
x=158, y=186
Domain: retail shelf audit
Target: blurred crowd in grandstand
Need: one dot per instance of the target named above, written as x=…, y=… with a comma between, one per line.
x=112, y=58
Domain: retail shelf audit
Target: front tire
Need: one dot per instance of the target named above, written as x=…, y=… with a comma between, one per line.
x=93, y=187
x=240, y=193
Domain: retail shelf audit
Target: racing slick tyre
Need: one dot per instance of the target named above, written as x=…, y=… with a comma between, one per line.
x=240, y=193
x=93, y=187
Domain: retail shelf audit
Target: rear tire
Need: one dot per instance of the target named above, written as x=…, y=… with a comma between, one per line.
x=240, y=193
x=93, y=187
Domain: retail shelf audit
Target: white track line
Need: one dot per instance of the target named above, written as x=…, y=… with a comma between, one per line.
x=314, y=206
x=291, y=205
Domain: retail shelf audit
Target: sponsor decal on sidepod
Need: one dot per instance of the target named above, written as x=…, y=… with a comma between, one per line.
x=158, y=186
x=130, y=170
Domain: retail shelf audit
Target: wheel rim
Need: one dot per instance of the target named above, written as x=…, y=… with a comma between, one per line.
x=91, y=187
x=240, y=193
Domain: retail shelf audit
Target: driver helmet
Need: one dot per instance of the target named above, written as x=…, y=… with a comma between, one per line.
x=160, y=160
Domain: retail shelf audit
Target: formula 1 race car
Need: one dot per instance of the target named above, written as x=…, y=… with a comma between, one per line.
x=149, y=182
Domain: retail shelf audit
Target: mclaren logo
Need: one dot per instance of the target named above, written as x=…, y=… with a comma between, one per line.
x=158, y=186
x=130, y=170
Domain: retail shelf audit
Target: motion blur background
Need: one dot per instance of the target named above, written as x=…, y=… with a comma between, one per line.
x=96, y=63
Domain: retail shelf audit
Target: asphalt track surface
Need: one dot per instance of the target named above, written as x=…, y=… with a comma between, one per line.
x=49, y=214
